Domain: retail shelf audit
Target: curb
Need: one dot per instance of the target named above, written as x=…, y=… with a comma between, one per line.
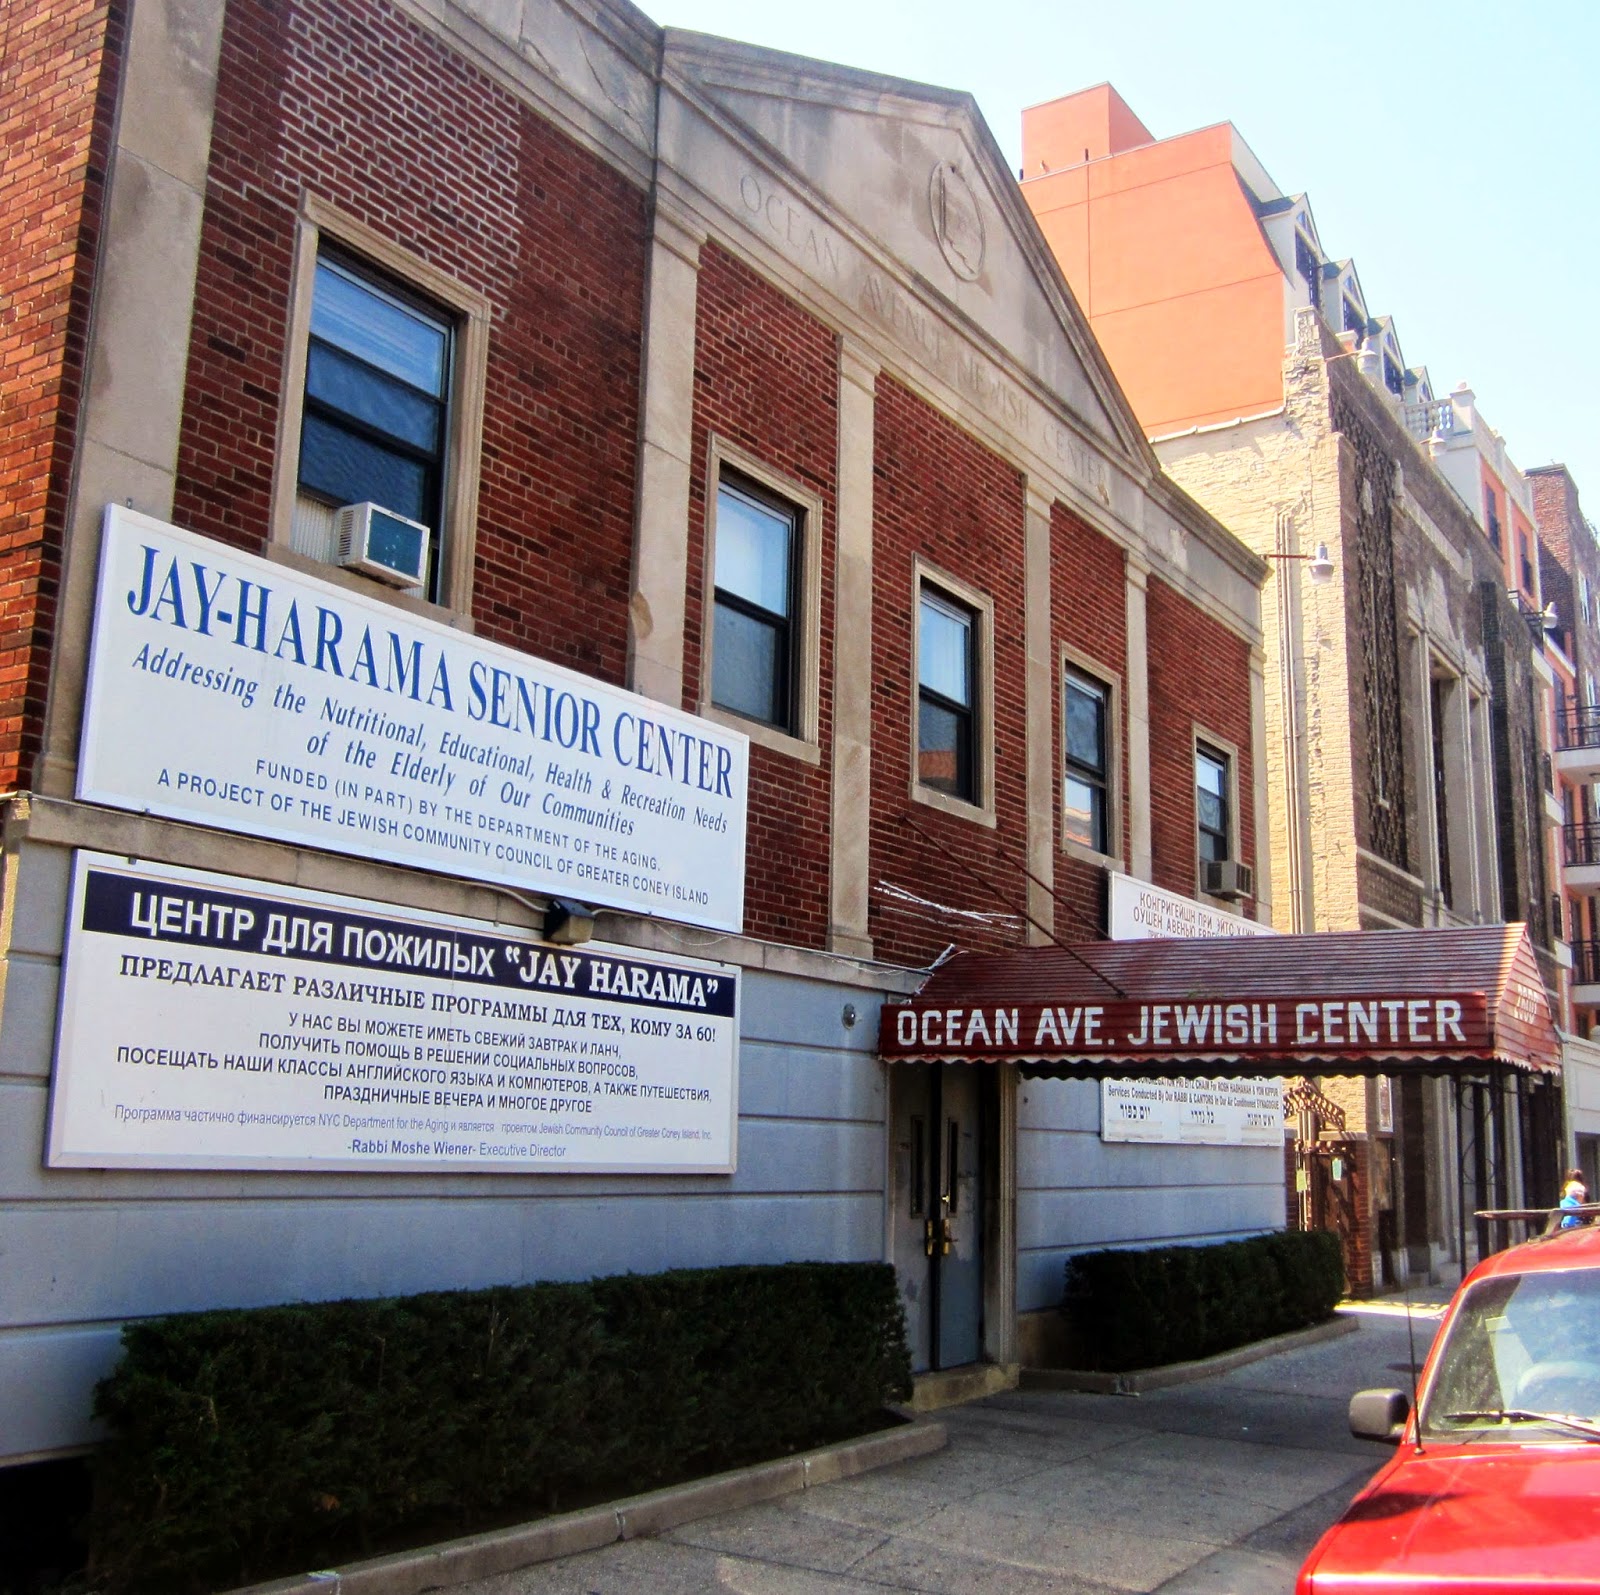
x=504, y=1550
x=1183, y=1373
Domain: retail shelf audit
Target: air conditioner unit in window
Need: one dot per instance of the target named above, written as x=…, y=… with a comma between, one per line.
x=1225, y=877
x=379, y=543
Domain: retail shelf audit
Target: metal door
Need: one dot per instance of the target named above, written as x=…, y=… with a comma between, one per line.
x=937, y=1215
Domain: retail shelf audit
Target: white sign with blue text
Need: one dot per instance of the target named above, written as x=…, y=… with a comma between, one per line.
x=233, y=692
x=212, y=1022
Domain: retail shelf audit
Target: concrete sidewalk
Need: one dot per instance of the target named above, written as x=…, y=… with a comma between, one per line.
x=1218, y=1487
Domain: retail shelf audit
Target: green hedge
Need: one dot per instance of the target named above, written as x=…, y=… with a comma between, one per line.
x=1141, y=1309
x=245, y=1443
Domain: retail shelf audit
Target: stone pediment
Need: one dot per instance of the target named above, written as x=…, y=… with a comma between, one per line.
x=916, y=170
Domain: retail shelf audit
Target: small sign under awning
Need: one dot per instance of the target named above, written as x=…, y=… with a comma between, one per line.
x=1358, y=1002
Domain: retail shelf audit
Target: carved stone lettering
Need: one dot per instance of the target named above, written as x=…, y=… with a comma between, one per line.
x=804, y=239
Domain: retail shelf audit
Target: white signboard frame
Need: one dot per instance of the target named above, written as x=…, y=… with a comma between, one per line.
x=213, y=1022
x=1184, y=1112
x=229, y=691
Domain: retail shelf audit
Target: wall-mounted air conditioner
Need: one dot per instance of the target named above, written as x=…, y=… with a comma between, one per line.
x=379, y=543
x=1226, y=877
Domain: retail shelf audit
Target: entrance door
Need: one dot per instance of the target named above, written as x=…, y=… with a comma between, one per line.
x=937, y=1217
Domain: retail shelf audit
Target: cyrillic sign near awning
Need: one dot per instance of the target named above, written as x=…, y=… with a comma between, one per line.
x=1184, y=1110
x=229, y=691
x=1351, y=1003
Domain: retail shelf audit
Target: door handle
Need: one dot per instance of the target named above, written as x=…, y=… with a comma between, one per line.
x=946, y=1239
x=927, y=1237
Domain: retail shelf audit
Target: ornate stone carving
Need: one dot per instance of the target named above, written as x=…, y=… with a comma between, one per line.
x=957, y=219
x=1375, y=600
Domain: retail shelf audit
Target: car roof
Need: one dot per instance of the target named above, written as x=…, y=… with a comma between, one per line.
x=1569, y=1248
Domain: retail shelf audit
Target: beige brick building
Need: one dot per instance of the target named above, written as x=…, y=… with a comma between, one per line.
x=1404, y=684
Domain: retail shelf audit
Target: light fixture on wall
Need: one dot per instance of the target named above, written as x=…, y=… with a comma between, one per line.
x=567, y=923
x=1319, y=565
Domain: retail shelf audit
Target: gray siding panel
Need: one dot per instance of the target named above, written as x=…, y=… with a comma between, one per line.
x=47, y=1379
x=1052, y=1225
x=32, y=995
x=782, y=1081
x=82, y=1249
x=1076, y=1192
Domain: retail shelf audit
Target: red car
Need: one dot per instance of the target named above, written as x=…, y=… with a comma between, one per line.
x=1495, y=1485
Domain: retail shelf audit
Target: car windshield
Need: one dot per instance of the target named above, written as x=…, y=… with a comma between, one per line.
x=1523, y=1351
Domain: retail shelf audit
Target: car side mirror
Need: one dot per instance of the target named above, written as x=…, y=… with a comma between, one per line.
x=1379, y=1414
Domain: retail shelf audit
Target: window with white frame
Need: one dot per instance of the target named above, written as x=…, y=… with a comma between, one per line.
x=760, y=667
x=947, y=696
x=755, y=632
x=952, y=685
x=1087, y=777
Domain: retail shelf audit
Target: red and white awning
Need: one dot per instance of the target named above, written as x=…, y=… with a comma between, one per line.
x=1446, y=1001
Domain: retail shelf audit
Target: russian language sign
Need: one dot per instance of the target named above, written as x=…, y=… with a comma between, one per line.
x=233, y=692
x=212, y=1022
x=1184, y=1112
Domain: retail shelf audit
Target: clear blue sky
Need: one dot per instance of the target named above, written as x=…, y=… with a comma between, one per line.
x=1451, y=150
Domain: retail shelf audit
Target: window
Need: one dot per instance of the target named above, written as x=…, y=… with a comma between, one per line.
x=374, y=424
x=1306, y=263
x=947, y=669
x=1583, y=600
x=1087, y=780
x=1527, y=563
x=1213, y=803
x=753, y=639
x=1438, y=695
x=1493, y=505
x=761, y=663
x=383, y=380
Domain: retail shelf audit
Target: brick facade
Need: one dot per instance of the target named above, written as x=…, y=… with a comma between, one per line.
x=941, y=495
x=358, y=104
x=1089, y=614
x=653, y=276
x=1193, y=694
x=767, y=380
x=58, y=82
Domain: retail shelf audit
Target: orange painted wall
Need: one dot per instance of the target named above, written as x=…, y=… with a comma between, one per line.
x=1098, y=120
x=1494, y=491
x=1164, y=252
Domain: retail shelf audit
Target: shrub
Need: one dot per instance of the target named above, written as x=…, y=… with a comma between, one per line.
x=246, y=1442
x=1140, y=1309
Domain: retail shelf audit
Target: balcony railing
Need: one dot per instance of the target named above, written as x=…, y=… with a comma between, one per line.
x=1532, y=618
x=1582, y=841
x=1430, y=418
x=1586, y=963
x=1579, y=727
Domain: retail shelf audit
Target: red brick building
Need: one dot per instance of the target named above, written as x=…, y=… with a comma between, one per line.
x=738, y=447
